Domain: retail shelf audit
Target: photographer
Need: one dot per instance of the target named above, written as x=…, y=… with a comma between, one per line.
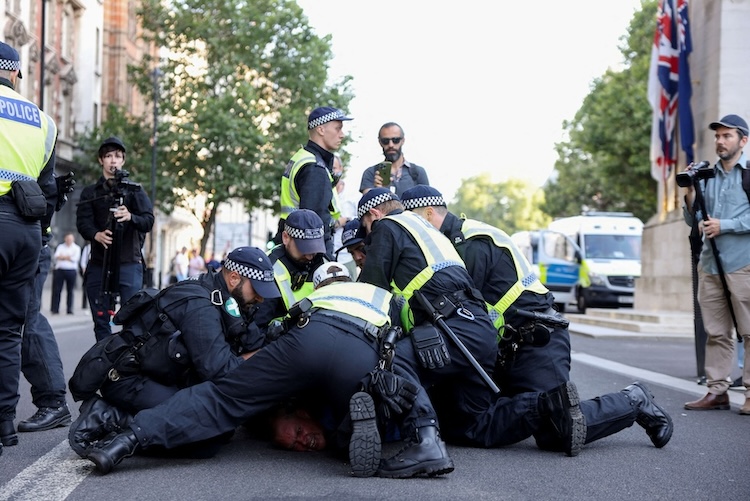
x=725, y=230
x=114, y=215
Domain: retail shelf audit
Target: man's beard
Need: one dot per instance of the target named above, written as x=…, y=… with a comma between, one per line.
x=392, y=156
x=236, y=293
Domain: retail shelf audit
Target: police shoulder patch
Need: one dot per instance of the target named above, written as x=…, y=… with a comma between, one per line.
x=232, y=307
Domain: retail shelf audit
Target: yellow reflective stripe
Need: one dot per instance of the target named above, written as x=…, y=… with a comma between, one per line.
x=284, y=281
x=357, y=299
x=49, y=141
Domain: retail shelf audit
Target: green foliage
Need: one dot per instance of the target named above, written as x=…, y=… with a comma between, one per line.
x=511, y=206
x=236, y=82
x=135, y=136
x=605, y=164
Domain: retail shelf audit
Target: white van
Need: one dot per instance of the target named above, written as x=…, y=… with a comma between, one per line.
x=610, y=252
x=556, y=261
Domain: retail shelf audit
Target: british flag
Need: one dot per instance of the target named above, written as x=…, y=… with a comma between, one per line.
x=669, y=87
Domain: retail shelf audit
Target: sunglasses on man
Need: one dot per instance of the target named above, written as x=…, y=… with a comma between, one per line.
x=385, y=140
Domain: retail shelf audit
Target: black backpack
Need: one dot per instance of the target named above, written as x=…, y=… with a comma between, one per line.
x=149, y=343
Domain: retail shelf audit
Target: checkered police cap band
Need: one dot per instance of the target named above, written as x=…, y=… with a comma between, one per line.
x=248, y=272
x=373, y=202
x=7, y=64
x=416, y=203
x=304, y=234
x=334, y=115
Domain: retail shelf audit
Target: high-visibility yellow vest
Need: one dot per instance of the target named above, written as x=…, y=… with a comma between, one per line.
x=284, y=280
x=526, y=278
x=289, y=195
x=437, y=250
x=357, y=299
x=27, y=139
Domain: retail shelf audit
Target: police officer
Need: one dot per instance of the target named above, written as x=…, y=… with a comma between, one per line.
x=406, y=251
x=294, y=261
x=27, y=188
x=113, y=202
x=514, y=295
x=353, y=240
x=40, y=355
x=308, y=181
x=209, y=315
x=325, y=354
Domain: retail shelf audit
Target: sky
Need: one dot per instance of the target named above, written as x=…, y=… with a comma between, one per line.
x=478, y=86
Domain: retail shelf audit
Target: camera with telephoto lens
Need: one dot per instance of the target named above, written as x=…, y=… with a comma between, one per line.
x=694, y=174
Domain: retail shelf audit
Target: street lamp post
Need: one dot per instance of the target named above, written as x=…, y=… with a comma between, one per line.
x=154, y=143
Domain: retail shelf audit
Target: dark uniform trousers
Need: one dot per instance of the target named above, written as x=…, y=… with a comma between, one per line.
x=40, y=354
x=131, y=281
x=19, y=258
x=326, y=359
x=539, y=369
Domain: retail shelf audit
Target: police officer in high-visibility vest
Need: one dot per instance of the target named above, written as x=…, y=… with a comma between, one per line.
x=308, y=181
x=294, y=261
x=515, y=295
x=406, y=254
x=27, y=188
x=324, y=356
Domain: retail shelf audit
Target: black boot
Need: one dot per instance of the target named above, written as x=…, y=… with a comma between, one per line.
x=426, y=455
x=650, y=415
x=8, y=433
x=96, y=420
x=106, y=454
x=563, y=412
x=46, y=418
x=364, y=444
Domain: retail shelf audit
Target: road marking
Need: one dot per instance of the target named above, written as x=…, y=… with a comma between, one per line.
x=50, y=478
x=737, y=398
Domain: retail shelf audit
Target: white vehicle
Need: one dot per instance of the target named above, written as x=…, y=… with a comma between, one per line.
x=556, y=260
x=610, y=256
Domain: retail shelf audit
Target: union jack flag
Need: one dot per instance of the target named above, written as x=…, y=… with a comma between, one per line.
x=669, y=87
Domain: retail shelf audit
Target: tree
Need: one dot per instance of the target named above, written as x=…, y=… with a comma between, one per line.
x=511, y=206
x=237, y=81
x=605, y=163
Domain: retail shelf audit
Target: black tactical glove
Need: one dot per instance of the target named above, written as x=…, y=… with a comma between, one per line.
x=65, y=185
x=395, y=394
x=430, y=347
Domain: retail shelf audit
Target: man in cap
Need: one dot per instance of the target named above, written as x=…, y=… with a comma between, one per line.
x=353, y=240
x=534, y=339
x=727, y=223
x=28, y=193
x=114, y=215
x=206, y=338
x=325, y=356
x=403, y=174
x=294, y=261
x=308, y=181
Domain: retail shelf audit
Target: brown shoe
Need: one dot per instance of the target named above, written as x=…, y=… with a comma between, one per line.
x=710, y=402
x=745, y=409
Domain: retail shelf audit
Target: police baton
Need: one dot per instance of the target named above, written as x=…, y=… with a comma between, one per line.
x=437, y=320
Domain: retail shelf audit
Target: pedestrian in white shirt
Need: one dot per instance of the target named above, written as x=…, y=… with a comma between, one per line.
x=66, y=258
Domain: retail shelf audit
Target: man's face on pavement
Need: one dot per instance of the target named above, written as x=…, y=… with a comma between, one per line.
x=391, y=151
x=298, y=432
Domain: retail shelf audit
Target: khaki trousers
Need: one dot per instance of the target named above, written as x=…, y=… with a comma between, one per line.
x=717, y=321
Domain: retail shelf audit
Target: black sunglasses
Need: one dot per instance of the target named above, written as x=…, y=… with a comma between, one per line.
x=385, y=140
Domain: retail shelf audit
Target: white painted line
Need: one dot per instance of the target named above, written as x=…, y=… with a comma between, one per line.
x=51, y=478
x=735, y=397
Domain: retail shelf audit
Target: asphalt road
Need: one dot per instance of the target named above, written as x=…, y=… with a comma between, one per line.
x=708, y=457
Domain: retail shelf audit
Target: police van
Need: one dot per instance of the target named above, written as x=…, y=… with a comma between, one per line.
x=556, y=261
x=610, y=256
